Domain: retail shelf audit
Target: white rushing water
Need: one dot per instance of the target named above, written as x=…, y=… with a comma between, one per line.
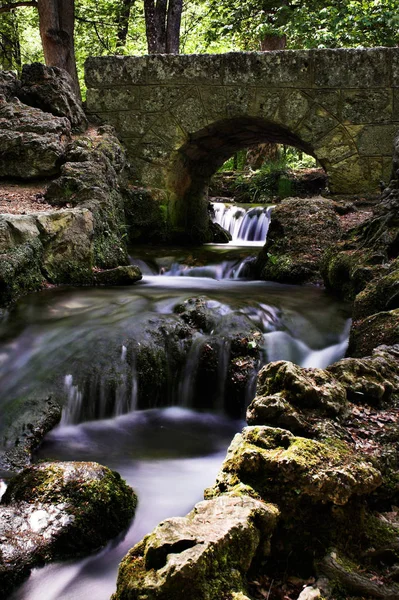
x=168, y=455
x=244, y=224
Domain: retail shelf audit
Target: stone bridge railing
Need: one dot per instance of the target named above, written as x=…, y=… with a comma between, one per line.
x=182, y=116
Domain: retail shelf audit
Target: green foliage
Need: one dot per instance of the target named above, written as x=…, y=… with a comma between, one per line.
x=307, y=24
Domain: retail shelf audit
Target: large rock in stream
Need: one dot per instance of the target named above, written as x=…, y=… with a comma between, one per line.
x=54, y=511
x=203, y=556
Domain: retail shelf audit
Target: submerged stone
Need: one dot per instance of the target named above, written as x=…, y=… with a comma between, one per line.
x=119, y=276
x=204, y=555
x=55, y=511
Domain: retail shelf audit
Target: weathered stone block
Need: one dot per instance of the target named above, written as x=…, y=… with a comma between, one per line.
x=351, y=67
x=127, y=98
x=288, y=68
x=377, y=139
x=190, y=115
x=367, y=106
x=185, y=69
x=318, y=123
x=355, y=174
x=335, y=146
x=241, y=100
x=156, y=98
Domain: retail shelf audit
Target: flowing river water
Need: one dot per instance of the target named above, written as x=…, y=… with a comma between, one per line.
x=172, y=450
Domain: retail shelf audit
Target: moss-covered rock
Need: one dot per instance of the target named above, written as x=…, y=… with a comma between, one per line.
x=380, y=328
x=126, y=275
x=32, y=142
x=20, y=271
x=300, y=230
x=55, y=511
x=372, y=379
x=204, y=555
x=381, y=294
x=90, y=178
x=284, y=469
x=304, y=389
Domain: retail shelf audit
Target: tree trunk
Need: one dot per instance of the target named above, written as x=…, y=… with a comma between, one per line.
x=273, y=42
x=173, y=27
x=162, y=22
x=57, y=22
x=123, y=24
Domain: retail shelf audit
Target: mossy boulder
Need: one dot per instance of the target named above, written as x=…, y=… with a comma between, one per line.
x=55, y=511
x=20, y=270
x=125, y=275
x=300, y=231
x=372, y=379
x=204, y=555
x=380, y=295
x=286, y=391
x=378, y=329
x=32, y=142
x=285, y=469
x=90, y=179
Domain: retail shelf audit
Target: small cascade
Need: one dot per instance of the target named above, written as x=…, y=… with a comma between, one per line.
x=244, y=224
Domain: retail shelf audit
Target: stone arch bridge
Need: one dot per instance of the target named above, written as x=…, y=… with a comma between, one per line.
x=182, y=116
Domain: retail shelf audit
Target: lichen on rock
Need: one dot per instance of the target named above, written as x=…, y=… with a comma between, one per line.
x=204, y=555
x=55, y=511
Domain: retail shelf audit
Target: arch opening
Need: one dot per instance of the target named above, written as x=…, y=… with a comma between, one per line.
x=205, y=151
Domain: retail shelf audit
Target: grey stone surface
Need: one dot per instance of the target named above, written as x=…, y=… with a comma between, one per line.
x=32, y=142
x=204, y=555
x=51, y=90
x=341, y=105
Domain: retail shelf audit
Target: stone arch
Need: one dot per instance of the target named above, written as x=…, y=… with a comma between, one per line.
x=193, y=163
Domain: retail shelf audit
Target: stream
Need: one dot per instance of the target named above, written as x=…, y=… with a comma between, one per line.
x=171, y=450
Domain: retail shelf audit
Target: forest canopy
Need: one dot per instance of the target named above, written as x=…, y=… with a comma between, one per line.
x=104, y=27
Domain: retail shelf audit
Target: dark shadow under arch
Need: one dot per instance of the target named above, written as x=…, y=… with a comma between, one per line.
x=204, y=152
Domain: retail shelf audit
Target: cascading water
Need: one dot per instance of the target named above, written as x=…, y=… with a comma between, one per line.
x=244, y=224
x=136, y=364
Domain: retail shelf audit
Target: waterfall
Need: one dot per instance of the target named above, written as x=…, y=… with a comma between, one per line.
x=244, y=224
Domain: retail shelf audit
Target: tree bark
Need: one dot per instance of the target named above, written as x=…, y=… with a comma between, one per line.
x=162, y=21
x=56, y=23
x=173, y=26
x=123, y=23
x=273, y=42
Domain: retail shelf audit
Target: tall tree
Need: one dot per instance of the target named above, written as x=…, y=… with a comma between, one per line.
x=162, y=20
x=56, y=24
x=122, y=21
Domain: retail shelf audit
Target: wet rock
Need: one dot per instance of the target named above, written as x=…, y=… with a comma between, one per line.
x=370, y=380
x=303, y=389
x=23, y=433
x=32, y=142
x=9, y=84
x=285, y=469
x=20, y=271
x=290, y=254
x=204, y=555
x=379, y=295
x=118, y=276
x=67, y=238
x=55, y=511
x=219, y=234
x=380, y=328
x=90, y=179
x=51, y=90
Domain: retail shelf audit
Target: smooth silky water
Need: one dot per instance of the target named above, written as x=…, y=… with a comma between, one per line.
x=168, y=455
